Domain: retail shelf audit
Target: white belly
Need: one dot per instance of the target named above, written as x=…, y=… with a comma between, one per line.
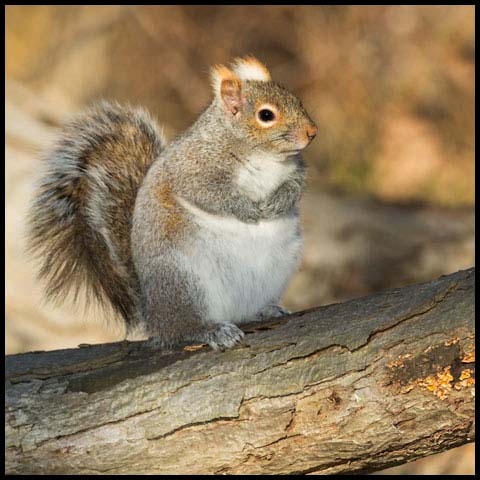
x=241, y=267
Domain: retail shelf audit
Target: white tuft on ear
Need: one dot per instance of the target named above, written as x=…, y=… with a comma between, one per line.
x=249, y=68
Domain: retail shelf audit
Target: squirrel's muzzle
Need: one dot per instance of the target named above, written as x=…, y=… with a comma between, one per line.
x=311, y=132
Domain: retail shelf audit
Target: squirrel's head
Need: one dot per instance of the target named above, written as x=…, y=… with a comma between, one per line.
x=259, y=111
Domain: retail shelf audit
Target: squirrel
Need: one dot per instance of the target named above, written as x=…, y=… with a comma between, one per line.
x=187, y=239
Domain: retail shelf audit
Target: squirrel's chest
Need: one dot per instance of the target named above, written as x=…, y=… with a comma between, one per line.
x=260, y=175
x=243, y=267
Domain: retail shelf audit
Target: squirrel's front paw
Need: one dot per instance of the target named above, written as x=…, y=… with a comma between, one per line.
x=223, y=336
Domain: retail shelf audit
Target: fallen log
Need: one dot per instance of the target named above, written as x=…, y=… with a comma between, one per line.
x=345, y=388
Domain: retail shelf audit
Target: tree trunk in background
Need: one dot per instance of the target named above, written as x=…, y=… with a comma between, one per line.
x=347, y=388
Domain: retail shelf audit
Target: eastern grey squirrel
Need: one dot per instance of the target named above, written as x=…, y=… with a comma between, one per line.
x=188, y=239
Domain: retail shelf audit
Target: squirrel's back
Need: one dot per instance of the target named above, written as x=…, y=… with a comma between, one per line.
x=80, y=221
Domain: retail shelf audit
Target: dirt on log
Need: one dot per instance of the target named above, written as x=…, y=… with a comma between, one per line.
x=346, y=388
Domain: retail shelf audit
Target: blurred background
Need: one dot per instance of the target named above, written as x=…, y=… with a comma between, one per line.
x=391, y=174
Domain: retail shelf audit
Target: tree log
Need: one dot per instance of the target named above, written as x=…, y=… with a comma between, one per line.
x=345, y=388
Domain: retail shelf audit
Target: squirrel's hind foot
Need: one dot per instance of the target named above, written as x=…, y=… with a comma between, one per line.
x=272, y=311
x=220, y=337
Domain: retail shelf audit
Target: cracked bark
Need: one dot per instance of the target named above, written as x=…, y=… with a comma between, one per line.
x=346, y=388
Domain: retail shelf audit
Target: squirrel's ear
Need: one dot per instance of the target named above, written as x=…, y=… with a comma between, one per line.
x=227, y=88
x=249, y=68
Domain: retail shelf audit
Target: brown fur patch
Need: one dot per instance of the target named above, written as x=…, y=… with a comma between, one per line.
x=174, y=220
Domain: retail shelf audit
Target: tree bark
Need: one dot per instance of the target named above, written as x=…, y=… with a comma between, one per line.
x=346, y=388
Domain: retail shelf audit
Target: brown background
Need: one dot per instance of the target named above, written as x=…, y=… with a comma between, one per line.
x=391, y=89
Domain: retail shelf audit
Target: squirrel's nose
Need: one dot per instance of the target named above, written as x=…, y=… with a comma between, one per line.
x=311, y=132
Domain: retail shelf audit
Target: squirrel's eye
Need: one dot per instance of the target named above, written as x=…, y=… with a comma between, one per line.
x=266, y=115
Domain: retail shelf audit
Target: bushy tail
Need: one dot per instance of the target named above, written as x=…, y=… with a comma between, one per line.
x=80, y=221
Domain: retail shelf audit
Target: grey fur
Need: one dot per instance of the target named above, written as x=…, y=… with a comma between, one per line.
x=107, y=216
x=82, y=200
